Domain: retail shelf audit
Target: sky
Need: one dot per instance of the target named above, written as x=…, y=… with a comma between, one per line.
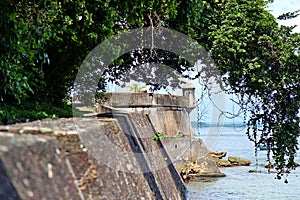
x=282, y=6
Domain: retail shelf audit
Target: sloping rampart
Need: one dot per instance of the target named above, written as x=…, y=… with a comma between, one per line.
x=62, y=164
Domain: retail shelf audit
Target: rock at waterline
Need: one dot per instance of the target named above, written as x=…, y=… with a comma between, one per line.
x=193, y=169
x=219, y=155
x=269, y=165
x=223, y=163
x=237, y=161
x=232, y=161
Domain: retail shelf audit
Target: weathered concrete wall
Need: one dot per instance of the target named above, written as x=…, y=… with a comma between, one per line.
x=54, y=163
x=7, y=186
x=168, y=120
x=126, y=145
x=118, y=100
x=171, y=121
x=166, y=176
x=188, y=149
x=30, y=168
x=168, y=113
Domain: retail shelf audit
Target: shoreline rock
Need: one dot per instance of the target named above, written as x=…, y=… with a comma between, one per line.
x=192, y=170
x=231, y=160
x=223, y=163
x=191, y=158
x=237, y=161
x=219, y=155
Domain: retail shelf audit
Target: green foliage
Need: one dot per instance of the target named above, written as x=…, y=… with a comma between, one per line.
x=289, y=15
x=158, y=136
x=259, y=61
x=136, y=88
x=101, y=97
x=21, y=48
x=44, y=42
x=33, y=111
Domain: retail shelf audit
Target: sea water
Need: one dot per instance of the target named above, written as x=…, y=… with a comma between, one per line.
x=239, y=184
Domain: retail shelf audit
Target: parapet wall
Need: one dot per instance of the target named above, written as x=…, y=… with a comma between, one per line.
x=168, y=113
x=119, y=100
x=170, y=121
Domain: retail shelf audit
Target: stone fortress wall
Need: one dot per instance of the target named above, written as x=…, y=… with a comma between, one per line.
x=50, y=159
x=169, y=114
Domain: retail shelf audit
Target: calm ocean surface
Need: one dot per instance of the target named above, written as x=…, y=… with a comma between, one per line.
x=239, y=184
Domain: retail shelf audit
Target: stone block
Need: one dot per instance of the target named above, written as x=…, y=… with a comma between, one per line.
x=31, y=169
